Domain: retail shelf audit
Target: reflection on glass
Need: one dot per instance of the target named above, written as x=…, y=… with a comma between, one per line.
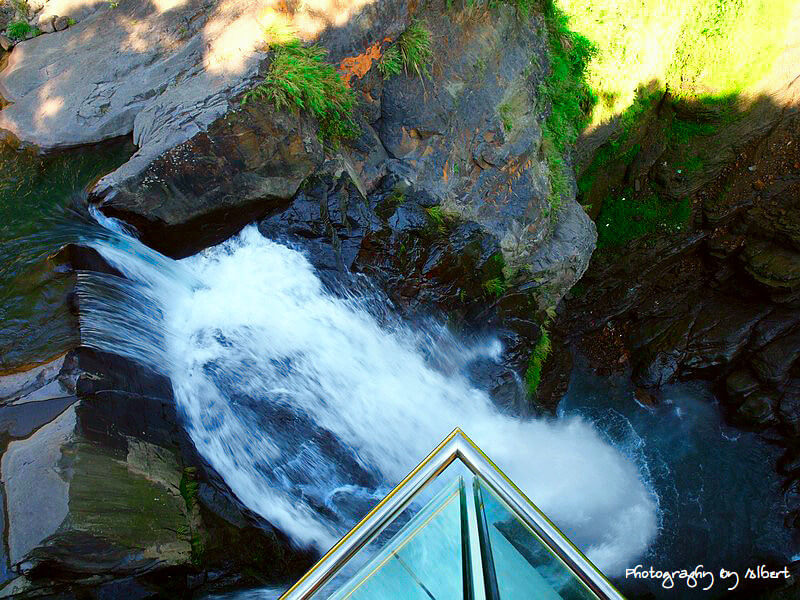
x=516, y=562
x=425, y=560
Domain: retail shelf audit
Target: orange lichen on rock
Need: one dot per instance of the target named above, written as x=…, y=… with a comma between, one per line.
x=361, y=63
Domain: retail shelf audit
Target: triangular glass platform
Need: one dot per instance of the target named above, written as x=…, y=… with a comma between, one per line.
x=456, y=528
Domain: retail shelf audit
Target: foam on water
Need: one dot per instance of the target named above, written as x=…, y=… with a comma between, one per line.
x=311, y=408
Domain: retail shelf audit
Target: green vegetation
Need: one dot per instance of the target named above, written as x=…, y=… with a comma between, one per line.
x=696, y=49
x=645, y=101
x=188, y=488
x=495, y=283
x=71, y=21
x=623, y=218
x=539, y=356
x=411, y=52
x=19, y=30
x=505, y=116
x=20, y=6
x=299, y=79
x=495, y=287
x=436, y=217
x=568, y=94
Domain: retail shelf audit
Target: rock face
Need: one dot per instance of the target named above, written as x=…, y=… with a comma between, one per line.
x=719, y=301
x=248, y=163
x=124, y=506
x=444, y=137
x=168, y=70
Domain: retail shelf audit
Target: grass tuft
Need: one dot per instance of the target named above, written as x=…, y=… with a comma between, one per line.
x=411, y=52
x=19, y=30
x=539, y=355
x=436, y=217
x=300, y=79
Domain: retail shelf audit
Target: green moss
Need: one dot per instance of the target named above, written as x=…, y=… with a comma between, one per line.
x=411, y=52
x=299, y=79
x=569, y=97
x=188, y=487
x=694, y=48
x=682, y=133
x=624, y=218
x=110, y=500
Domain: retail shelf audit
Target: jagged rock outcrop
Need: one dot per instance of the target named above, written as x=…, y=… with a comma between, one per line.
x=719, y=301
x=445, y=136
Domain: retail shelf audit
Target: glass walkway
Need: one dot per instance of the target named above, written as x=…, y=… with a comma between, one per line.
x=455, y=529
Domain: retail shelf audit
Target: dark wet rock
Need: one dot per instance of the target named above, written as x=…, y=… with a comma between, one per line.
x=18, y=385
x=328, y=217
x=18, y=421
x=721, y=331
x=739, y=385
x=83, y=258
x=771, y=264
x=777, y=323
x=108, y=468
x=789, y=408
x=772, y=362
x=757, y=411
x=247, y=164
x=646, y=397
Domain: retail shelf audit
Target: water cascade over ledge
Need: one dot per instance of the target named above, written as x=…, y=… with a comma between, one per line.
x=312, y=405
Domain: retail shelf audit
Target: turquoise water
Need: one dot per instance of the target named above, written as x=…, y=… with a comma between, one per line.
x=40, y=207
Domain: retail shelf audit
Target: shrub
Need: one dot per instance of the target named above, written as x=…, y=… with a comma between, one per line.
x=411, y=52
x=19, y=30
x=299, y=79
x=495, y=287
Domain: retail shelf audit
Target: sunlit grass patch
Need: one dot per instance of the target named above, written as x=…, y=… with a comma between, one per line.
x=696, y=48
x=300, y=79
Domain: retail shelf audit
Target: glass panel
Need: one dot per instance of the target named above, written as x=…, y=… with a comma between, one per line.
x=424, y=560
x=523, y=567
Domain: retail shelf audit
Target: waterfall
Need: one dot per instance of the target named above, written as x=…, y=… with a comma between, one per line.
x=312, y=405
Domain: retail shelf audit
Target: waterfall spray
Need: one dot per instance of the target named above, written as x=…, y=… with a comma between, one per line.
x=312, y=409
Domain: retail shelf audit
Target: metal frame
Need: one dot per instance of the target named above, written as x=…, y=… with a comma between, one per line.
x=455, y=446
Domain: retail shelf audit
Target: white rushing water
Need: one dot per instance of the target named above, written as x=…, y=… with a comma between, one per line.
x=312, y=407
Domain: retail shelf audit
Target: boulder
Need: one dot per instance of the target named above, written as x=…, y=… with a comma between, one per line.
x=739, y=385
x=60, y=23
x=6, y=43
x=771, y=264
x=46, y=23
x=247, y=164
x=756, y=412
x=773, y=361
